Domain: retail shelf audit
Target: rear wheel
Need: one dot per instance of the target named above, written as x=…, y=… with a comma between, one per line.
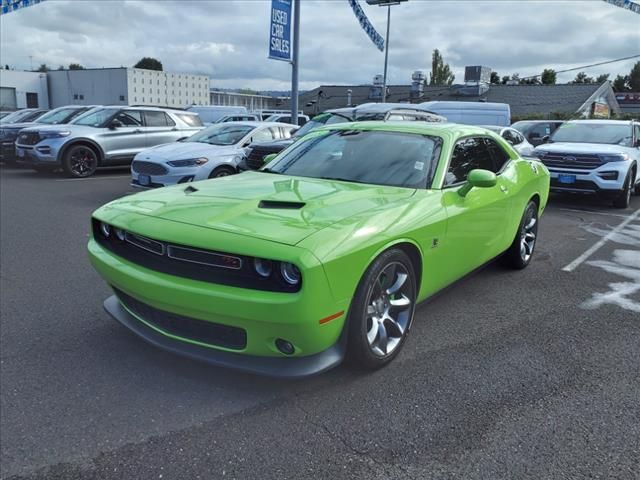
x=382, y=310
x=519, y=254
x=80, y=161
x=624, y=198
x=222, y=171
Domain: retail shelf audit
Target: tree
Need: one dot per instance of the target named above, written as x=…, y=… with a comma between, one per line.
x=620, y=83
x=440, y=72
x=149, y=63
x=582, y=78
x=505, y=79
x=495, y=78
x=43, y=68
x=75, y=66
x=548, y=76
x=602, y=78
x=634, y=78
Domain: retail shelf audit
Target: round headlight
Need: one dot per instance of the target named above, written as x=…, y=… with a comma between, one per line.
x=120, y=234
x=105, y=228
x=263, y=267
x=290, y=273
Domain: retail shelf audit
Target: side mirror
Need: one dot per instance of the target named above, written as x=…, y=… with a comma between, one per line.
x=546, y=138
x=478, y=178
x=268, y=158
x=115, y=124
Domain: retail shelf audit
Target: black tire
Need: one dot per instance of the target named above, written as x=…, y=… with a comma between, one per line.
x=520, y=253
x=222, y=171
x=372, y=293
x=624, y=198
x=80, y=161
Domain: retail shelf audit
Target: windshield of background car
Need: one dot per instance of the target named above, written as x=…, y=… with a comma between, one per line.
x=58, y=116
x=13, y=117
x=320, y=121
x=593, y=133
x=96, y=118
x=361, y=156
x=221, y=134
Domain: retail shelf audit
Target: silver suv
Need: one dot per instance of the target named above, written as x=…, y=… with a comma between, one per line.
x=102, y=137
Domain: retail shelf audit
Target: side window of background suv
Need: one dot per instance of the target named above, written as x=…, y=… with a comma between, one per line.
x=468, y=154
x=499, y=156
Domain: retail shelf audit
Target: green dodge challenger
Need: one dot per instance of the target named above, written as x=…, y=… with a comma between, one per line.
x=323, y=253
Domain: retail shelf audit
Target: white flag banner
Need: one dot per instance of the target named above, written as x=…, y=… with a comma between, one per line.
x=369, y=29
x=9, y=6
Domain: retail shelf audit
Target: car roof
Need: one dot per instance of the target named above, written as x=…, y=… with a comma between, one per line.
x=539, y=121
x=256, y=123
x=424, y=128
x=603, y=122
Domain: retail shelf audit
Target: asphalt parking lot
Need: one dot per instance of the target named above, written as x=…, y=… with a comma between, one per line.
x=532, y=374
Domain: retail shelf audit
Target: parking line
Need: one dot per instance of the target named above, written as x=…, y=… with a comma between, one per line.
x=91, y=178
x=576, y=263
x=595, y=212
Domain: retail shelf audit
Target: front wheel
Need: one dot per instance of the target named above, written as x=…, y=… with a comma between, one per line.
x=382, y=310
x=80, y=161
x=222, y=171
x=519, y=254
x=624, y=198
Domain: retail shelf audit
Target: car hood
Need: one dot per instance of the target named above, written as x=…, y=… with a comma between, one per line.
x=76, y=130
x=184, y=150
x=272, y=207
x=586, y=148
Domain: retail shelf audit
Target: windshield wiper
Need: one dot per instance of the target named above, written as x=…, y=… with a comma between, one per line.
x=268, y=170
x=339, y=179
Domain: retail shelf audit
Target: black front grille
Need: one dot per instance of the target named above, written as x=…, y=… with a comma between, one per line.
x=569, y=160
x=255, y=159
x=189, y=328
x=148, y=168
x=28, y=138
x=578, y=185
x=188, y=262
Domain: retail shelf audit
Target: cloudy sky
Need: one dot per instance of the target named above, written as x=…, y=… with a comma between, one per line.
x=227, y=39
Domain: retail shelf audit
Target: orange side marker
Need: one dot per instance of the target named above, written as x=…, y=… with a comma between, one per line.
x=331, y=317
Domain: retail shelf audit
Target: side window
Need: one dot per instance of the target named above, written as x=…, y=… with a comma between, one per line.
x=499, y=156
x=637, y=134
x=263, y=135
x=519, y=137
x=510, y=137
x=155, y=119
x=540, y=130
x=286, y=132
x=130, y=118
x=395, y=117
x=169, y=120
x=468, y=154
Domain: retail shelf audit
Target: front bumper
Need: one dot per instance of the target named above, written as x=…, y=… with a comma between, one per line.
x=264, y=316
x=43, y=153
x=607, y=179
x=175, y=176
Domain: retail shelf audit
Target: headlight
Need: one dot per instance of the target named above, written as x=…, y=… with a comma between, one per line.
x=189, y=162
x=618, y=157
x=44, y=134
x=263, y=267
x=105, y=229
x=539, y=153
x=290, y=273
x=8, y=134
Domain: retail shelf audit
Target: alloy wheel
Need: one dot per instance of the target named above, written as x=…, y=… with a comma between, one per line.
x=389, y=309
x=83, y=162
x=528, y=235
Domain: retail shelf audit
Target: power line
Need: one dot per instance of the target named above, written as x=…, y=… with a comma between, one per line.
x=588, y=66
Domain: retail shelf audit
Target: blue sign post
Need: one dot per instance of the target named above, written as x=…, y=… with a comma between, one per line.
x=280, y=30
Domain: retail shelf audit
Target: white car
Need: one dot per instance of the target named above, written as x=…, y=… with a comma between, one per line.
x=594, y=156
x=211, y=153
x=514, y=137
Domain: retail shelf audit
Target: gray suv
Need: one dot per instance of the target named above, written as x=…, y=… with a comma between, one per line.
x=102, y=137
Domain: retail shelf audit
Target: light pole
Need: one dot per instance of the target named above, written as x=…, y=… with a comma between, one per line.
x=388, y=4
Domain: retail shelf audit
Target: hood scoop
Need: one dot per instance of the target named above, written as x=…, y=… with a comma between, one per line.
x=280, y=205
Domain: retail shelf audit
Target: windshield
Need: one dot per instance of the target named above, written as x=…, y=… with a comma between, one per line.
x=221, y=134
x=96, y=118
x=593, y=133
x=22, y=116
x=59, y=116
x=374, y=157
x=320, y=121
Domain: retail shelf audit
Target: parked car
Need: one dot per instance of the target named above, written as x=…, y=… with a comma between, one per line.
x=102, y=137
x=472, y=113
x=368, y=111
x=594, y=156
x=327, y=253
x=286, y=118
x=267, y=112
x=24, y=115
x=247, y=117
x=536, y=130
x=514, y=137
x=212, y=113
x=59, y=116
x=211, y=153
x=4, y=114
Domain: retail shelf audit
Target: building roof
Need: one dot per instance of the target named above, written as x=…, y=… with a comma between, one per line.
x=523, y=99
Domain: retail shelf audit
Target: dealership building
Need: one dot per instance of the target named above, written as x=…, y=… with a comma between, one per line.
x=102, y=86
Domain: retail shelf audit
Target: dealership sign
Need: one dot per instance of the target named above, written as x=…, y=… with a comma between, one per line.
x=375, y=37
x=13, y=5
x=280, y=31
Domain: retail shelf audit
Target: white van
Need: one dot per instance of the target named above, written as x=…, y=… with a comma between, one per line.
x=212, y=113
x=472, y=113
